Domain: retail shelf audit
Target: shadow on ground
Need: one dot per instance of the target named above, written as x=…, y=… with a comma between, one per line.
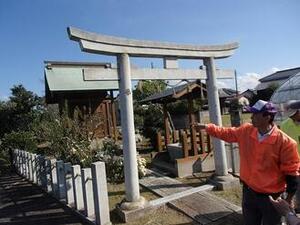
x=24, y=203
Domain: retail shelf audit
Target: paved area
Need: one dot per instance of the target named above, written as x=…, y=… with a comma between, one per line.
x=24, y=203
x=203, y=207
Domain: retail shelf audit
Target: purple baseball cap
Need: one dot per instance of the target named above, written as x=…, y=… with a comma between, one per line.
x=262, y=106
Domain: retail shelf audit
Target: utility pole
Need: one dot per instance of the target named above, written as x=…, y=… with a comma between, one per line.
x=236, y=85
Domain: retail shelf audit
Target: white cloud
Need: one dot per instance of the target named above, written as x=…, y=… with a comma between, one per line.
x=3, y=98
x=270, y=71
x=248, y=81
x=245, y=81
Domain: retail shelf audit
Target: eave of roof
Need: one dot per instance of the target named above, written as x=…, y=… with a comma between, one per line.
x=280, y=75
x=172, y=94
x=72, y=79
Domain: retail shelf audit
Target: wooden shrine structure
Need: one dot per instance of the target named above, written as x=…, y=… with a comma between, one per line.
x=65, y=85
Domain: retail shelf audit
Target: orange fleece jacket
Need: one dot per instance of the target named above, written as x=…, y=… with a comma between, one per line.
x=263, y=165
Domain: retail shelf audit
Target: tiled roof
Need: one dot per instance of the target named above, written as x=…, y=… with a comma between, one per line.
x=280, y=75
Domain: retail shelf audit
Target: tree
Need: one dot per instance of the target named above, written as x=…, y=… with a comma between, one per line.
x=148, y=118
x=146, y=88
x=19, y=111
x=16, y=117
x=264, y=94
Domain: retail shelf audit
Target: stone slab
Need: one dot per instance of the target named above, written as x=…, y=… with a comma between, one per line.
x=201, y=206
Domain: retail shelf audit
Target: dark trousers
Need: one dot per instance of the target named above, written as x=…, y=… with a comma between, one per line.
x=257, y=209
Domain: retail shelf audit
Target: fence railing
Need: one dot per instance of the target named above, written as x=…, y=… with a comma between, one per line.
x=193, y=142
x=84, y=190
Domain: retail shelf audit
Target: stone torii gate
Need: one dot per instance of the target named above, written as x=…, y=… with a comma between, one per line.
x=123, y=48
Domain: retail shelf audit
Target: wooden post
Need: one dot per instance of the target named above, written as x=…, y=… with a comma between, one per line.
x=201, y=141
x=208, y=143
x=108, y=118
x=113, y=113
x=159, y=145
x=166, y=123
x=175, y=136
x=185, y=146
x=105, y=128
x=192, y=129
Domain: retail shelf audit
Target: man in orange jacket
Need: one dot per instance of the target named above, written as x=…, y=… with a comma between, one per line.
x=269, y=162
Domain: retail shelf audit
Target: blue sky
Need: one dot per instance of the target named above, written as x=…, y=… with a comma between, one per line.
x=35, y=30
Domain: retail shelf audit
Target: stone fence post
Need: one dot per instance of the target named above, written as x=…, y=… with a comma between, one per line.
x=88, y=195
x=100, y=193
x=85, y=190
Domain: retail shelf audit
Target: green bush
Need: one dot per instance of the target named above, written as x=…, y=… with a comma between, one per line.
x=111, y=154
x=24, y=140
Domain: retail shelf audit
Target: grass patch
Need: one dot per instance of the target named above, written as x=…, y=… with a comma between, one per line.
x=196, y=180
x=163, y=215
x=233, y=195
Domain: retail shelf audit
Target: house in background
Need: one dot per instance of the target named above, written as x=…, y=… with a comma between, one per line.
x=270, y=83
x=65, y=85
x=224, y=95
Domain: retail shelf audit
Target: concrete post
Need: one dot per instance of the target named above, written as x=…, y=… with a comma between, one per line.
x=100, y=193
x=69, y=185
x=60, y=179
x=53, y=175
x=26, y=165
x=30, y=166
x=18, y=161
x=15, y=158
x=43, y=175
x=215, y=117
x=34, y=173
x=38, y=170
x=88, y=195
x=77, y=184
x=22, y=163
x=48, y=175
x=128, y=132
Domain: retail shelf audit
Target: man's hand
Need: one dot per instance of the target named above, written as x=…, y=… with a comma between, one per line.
x=289, y=200
x=199, y=126
x=281, y=205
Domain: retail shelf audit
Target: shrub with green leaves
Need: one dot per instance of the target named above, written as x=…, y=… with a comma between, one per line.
x=111, y=154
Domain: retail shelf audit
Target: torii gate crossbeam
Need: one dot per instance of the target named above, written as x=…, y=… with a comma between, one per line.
x=124, y=48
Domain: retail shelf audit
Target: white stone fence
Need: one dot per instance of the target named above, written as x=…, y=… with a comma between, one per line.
x=84, y=190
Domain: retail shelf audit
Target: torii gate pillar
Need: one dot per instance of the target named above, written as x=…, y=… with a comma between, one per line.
x=128, y=131
x=215, y=117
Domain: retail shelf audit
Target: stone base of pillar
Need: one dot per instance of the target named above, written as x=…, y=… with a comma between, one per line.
x=130, y=211
x=134, y=205
x=224, y=182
